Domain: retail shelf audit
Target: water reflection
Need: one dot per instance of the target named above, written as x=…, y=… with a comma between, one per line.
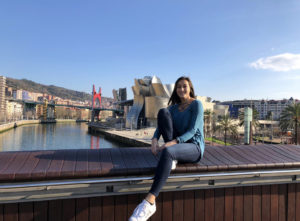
x=53, y=137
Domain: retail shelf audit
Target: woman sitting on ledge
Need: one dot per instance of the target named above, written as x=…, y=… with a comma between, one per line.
x=181, y=126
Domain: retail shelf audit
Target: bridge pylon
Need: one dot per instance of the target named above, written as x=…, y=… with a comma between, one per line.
x=95, y=96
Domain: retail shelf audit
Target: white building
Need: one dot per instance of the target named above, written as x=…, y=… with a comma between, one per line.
x=263, y=107
x=14, y=111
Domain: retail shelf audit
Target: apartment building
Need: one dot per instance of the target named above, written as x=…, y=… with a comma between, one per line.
x=263, y=107
x=2, y=97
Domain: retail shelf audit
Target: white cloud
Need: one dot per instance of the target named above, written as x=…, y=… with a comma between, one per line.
x=281, y=62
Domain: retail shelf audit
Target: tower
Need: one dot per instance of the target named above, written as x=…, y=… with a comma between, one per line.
x=2, y=98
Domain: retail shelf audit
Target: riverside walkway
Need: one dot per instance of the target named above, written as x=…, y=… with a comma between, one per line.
x=258, y=182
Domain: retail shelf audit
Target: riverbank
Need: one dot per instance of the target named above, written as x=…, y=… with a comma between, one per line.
x=133, y=138
x=11, y=125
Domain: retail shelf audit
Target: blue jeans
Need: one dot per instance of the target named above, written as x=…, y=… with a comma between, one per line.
x=183, y=152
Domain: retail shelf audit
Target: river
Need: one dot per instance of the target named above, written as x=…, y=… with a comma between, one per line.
x=53, y=137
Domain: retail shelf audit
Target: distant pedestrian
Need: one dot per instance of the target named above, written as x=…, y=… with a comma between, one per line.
x=181, y=126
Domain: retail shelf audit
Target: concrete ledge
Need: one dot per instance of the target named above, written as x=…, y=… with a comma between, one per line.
x=8, y=126
x=5, y=127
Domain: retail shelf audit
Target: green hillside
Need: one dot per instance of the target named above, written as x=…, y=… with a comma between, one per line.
x=48, y=89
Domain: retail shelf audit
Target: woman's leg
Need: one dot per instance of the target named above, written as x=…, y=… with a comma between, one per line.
x=184, y=152
x=165, y=125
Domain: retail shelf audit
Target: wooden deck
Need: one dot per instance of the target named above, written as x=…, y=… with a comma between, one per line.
x=86, y=163
x=275, y=199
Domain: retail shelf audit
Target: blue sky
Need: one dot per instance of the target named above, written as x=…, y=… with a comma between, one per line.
x=230, y=49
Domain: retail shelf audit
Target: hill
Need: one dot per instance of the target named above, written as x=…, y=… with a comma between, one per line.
x=48, y=89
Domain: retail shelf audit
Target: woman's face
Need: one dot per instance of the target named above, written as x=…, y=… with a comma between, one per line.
x=183, y=89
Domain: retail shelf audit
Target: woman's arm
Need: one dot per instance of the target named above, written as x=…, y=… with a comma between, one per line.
x=154, y=143
x=196, y=122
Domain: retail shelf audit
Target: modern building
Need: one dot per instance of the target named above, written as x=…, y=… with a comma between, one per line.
x=2, y=98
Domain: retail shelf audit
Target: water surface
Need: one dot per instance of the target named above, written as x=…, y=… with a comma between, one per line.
x=53, y=137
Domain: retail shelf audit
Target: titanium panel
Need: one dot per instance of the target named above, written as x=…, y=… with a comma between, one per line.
x=153, y=105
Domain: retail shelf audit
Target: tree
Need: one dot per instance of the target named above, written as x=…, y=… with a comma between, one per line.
x=208, y=115
x=290, y=119
x=226, y=125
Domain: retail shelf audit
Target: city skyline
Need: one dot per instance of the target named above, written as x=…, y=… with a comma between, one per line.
x=233, y=50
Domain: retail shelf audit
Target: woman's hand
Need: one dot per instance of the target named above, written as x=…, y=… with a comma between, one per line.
x=168, y=144
x=154, y=146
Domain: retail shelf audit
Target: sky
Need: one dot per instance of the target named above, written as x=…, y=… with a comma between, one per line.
x=230, y=49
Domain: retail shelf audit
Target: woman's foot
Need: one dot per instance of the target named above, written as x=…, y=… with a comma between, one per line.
x=143, y=211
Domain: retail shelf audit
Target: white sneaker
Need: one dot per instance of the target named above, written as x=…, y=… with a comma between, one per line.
x=143, y=211
x=174, y=163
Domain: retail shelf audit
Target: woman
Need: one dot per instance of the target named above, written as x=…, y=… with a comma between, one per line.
x=181, y=126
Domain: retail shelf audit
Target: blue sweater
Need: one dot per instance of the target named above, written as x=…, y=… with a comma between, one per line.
x=188, y=124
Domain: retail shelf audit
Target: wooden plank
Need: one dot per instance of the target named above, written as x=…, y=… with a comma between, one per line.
x=284, y=153
x=221, y=165
x=148, y=157
x=219, y=204
x=105, y=162
x=270, y=155
x=132, y=201
x=282, y=205
x=25, y=171
x=25, y=211
x=199, y=205
x=120, y=207
x=188, y=205
x=130, y=159
x=95, y=209
x=211, y=166
x=222, y=151
x=40, y=211
x=68, y=168
x=157, y=216
x=108, y=210
x=167, y=206
x=39, y=172
x=69, y=206
x=248, y=203
x=256, y=203
x=266, y=203
x=118, y=162
x=8, y=173
x=291, y=216
x=5, y=159
x=287, y=159
x=274, y=202
x=229, y=161
x=209, y=205
x=238, y=204
x=56, y=164
x=55, y=210
x=1, y=212
x=229, y=206
x=241, y=157
x=94, y=166
x=10, y=212
x=259, y=159
x=81, y=167
x=82, y=209
x=298, y=202
x=290, y=150
x=178, y=212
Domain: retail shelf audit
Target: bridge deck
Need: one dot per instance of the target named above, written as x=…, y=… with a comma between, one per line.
x=87, y=163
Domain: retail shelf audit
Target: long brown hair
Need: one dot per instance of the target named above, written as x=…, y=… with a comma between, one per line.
x=174, y=99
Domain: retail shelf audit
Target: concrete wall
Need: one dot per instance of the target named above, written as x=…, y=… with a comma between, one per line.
x=5, y=127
